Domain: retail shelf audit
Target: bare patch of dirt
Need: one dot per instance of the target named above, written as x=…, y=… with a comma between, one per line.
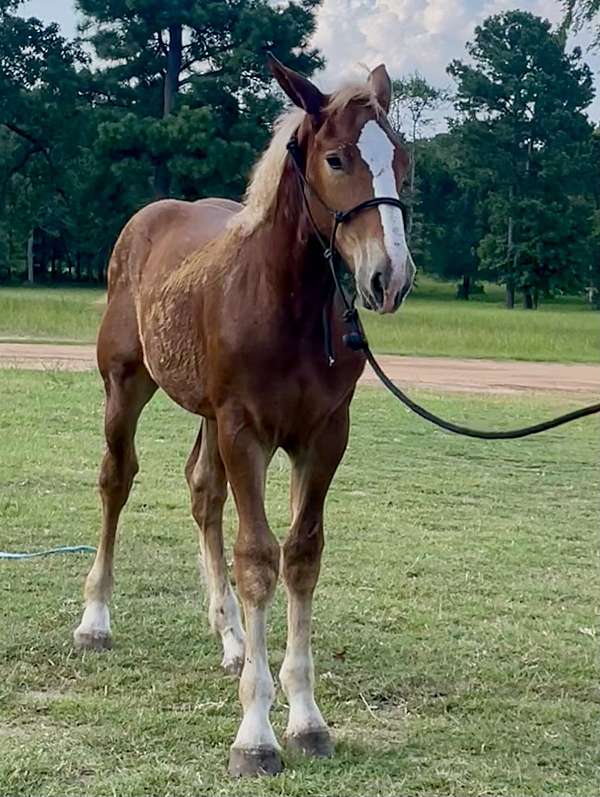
x=436, y=373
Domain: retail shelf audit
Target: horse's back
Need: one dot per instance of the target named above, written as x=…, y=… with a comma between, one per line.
x=160, y=236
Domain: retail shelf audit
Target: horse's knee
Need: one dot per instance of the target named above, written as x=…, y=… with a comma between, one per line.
x=208, y=496
x=118, y=469
x=256, y=567
x=302, y=557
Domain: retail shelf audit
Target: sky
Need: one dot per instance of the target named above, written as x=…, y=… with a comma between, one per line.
x=406, y=35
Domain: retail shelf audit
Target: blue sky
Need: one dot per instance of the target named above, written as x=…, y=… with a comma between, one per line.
x=407, y=35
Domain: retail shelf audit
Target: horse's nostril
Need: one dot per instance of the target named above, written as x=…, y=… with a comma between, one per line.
x=405, y=289
x=401, y=294
x=377, y=287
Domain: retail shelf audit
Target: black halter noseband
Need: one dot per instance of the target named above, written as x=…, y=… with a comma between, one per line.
x=356, y=340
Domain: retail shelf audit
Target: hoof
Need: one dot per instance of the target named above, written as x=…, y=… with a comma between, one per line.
x=232, y=666
x=92, y=640
x=316, y=744
x=254, y=761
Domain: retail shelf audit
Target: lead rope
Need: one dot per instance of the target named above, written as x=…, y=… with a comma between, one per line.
x=356, y=338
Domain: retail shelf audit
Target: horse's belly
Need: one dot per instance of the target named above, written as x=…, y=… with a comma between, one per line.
x=173, y=353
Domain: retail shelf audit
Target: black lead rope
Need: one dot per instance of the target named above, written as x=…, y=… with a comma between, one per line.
x=356, y=338
x=448, y=426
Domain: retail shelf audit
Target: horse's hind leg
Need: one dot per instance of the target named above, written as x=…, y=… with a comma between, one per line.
x=128, y=388
x=208, y=488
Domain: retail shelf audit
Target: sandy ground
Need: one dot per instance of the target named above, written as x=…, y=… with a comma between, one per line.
x=438, y=373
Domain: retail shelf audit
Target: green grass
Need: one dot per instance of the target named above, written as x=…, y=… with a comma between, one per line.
x=69, y=315
x=455, y=621
x=431, y=323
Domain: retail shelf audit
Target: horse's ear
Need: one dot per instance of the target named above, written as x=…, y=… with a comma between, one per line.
x=299, y=89
x=380, y=82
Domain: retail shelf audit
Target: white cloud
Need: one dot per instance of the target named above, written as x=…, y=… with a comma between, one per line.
x=409, y=35
x=61, y=11
x=406, y=35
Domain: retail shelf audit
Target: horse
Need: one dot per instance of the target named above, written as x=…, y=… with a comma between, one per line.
x=221, y=306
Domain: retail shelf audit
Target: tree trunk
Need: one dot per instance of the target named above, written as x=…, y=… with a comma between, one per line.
x=162, y=178
x=464, y=290
x=527, y=299
x=510, y=288
x=413, y=167
x=44, y=255
x=30, y=258
x=510, y=295
x=10, y=254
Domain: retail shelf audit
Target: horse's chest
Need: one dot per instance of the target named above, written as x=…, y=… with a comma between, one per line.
x=291, y=404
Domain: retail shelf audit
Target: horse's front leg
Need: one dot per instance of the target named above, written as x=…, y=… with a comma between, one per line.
x=255, y=750
x=313, y=470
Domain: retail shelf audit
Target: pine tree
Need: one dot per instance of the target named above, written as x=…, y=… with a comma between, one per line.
x=193, y=78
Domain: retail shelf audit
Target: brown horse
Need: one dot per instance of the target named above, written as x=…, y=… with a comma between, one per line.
x=221, y=306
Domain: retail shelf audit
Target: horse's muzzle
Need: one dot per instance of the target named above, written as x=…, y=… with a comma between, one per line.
x=386, y=290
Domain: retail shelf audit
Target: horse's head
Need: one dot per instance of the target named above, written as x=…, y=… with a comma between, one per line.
x=351, y=155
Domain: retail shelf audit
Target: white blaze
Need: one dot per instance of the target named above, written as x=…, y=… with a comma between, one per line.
x=377, y=151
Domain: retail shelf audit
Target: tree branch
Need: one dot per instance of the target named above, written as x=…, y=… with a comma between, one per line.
x=17, y=130
x=189, y=78
x=16, y=167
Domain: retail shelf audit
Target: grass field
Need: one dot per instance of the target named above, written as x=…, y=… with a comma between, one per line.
x=64, y=314
x=455, y=622
x=431, y=323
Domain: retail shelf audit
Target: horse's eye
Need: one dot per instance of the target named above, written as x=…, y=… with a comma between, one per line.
x=334, y=161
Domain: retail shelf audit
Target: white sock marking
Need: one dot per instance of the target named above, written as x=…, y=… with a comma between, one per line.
x=257, y=691
x=297, y=671
x=95, y=620
x=223, y=609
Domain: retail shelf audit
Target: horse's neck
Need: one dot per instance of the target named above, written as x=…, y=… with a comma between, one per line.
x=295, y=270
x=292, y=258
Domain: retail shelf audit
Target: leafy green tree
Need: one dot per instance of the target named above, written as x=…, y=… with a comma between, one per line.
x=451, y=226
x=178, y=101
x=39, y=126
x=413, y=102
x=192, y=76
x=522, y=132
x=592, y=278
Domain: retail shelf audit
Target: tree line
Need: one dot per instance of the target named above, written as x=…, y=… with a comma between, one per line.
x=158, y=99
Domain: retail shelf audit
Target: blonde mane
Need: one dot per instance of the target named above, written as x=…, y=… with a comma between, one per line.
x=266, y=175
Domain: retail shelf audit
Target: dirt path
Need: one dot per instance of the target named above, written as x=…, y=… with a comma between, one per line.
x=439, y=373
